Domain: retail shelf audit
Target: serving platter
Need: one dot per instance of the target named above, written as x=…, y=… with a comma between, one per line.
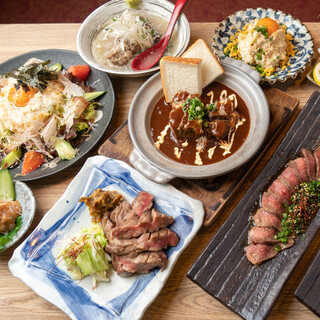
x=223, y=270
x=302, y=39
x=122, y=298
x=99, y=80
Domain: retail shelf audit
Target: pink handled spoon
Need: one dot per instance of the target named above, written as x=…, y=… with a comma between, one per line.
x=151, y=56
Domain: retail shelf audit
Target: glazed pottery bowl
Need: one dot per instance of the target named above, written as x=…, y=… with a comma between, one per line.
x=92, y=24
x=155, y=165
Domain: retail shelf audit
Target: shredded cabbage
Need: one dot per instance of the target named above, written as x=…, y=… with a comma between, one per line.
x=84, y=255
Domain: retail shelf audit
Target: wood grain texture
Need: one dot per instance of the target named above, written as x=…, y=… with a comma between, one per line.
x=223, y=270
x=180, y=297
x=308, y=291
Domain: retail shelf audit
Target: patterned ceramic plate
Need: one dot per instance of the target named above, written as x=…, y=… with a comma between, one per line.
x=302, y=39
x=122, y=298
x=28, y=204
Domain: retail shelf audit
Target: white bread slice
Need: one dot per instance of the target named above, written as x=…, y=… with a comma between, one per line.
x=211, y=68
x=180, y=74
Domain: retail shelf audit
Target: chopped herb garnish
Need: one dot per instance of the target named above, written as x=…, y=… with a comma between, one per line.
x=195, y=109
x=235, y=48
x=152, y=32
x=212, y=107
x=263, y=30
x=260, y=51
x=113, y=19
x=259, y=68
x=303, y=204
x=227, y=52
x=277, y=248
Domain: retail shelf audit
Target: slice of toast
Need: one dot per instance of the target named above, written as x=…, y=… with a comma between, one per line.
x=180, y=74
x=211, y=68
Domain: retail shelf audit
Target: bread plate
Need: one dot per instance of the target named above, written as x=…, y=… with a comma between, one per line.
x=151, y=162
x=122, y=298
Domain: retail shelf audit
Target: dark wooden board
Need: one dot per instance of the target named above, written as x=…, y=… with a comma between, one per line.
x=215, y=193
x=223, y=270
x=308, y=291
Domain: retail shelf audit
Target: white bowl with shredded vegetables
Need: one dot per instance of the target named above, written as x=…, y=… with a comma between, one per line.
x=276, y=44
x=113, y=34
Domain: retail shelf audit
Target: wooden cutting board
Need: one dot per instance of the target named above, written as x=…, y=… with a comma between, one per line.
x=215, y=192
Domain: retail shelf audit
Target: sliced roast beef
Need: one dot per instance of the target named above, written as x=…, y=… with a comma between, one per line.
x=257, y=253
x=265, y=219
x=280, y=189
x=154, y=241
x=134, y=226
x=311, y=163
x=139, y=263
x=271, y=203
x=262, y=235
x=316, y=155
x=142, y=203
x=290, y=178
x=300, y=166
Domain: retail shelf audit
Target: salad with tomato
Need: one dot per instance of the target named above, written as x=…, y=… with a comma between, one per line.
x=45, y=112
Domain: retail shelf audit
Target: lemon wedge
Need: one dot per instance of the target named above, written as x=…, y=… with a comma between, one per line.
x=316, y=73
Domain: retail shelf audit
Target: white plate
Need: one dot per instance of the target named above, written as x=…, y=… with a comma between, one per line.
x=122, y=298
x=28, y=204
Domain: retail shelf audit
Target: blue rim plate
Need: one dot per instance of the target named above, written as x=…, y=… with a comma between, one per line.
x=122, y=298
x=302, y=39
x=99, y=80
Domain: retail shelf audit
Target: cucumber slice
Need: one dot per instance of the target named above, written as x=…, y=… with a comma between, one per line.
x=56, y=67
x=93, y=95
x=11, y=158
x=6, y=186
x=64, y=149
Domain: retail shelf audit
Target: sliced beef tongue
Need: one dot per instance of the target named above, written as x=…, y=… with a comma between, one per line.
x=257, y=253
x=142, y=203
x=279, y=189
x=316, y=155
x=149, y=221
x=300, y=167
x=120, y=212
x=262, y=235
x=272, y=203
x=265, y=219
x=289, y=177
x=154, y=241
x=139, y=263
x=311, y=163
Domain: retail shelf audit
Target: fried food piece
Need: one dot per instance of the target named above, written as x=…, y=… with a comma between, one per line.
x=9, y=211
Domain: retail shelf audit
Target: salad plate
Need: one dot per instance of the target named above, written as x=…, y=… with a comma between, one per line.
x=98, y=80
x=302, y=39
x=34, y=261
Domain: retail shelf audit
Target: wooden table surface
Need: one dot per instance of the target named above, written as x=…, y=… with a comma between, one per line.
x=180, y=298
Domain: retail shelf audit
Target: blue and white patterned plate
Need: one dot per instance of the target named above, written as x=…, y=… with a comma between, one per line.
x=302, y=39
x=121, y=298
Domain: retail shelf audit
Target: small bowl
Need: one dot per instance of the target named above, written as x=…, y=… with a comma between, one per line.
x=28, y=203
x=147, y=159
x=302, y=39
x=93, y=22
